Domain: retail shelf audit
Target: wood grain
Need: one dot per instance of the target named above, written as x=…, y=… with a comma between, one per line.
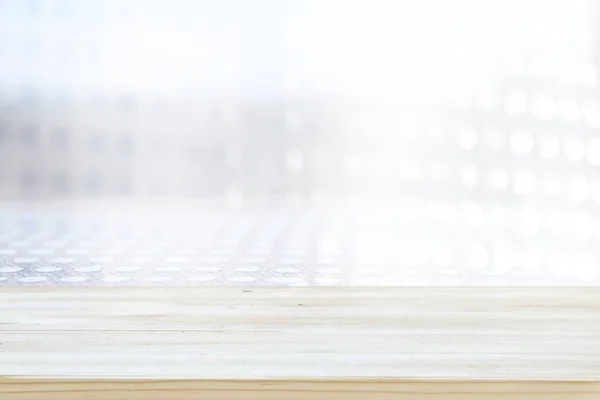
x=299, y=343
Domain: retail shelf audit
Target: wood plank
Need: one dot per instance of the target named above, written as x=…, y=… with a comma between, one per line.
x=299, y=343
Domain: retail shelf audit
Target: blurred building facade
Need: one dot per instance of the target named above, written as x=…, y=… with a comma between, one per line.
x=292, y=99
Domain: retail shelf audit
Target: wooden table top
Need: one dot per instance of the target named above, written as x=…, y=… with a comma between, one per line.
x=292, y=343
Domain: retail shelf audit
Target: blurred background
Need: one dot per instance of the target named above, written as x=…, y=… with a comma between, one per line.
x=438, y=142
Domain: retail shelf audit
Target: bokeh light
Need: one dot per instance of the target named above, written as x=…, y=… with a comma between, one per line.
x=304, y=142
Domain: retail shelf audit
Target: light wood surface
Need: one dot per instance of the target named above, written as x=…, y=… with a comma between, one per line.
x=299, y=343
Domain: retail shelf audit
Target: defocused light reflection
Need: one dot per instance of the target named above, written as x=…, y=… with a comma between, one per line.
x=468, y=131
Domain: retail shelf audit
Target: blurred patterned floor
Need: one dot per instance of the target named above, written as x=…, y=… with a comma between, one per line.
x=404, y=244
